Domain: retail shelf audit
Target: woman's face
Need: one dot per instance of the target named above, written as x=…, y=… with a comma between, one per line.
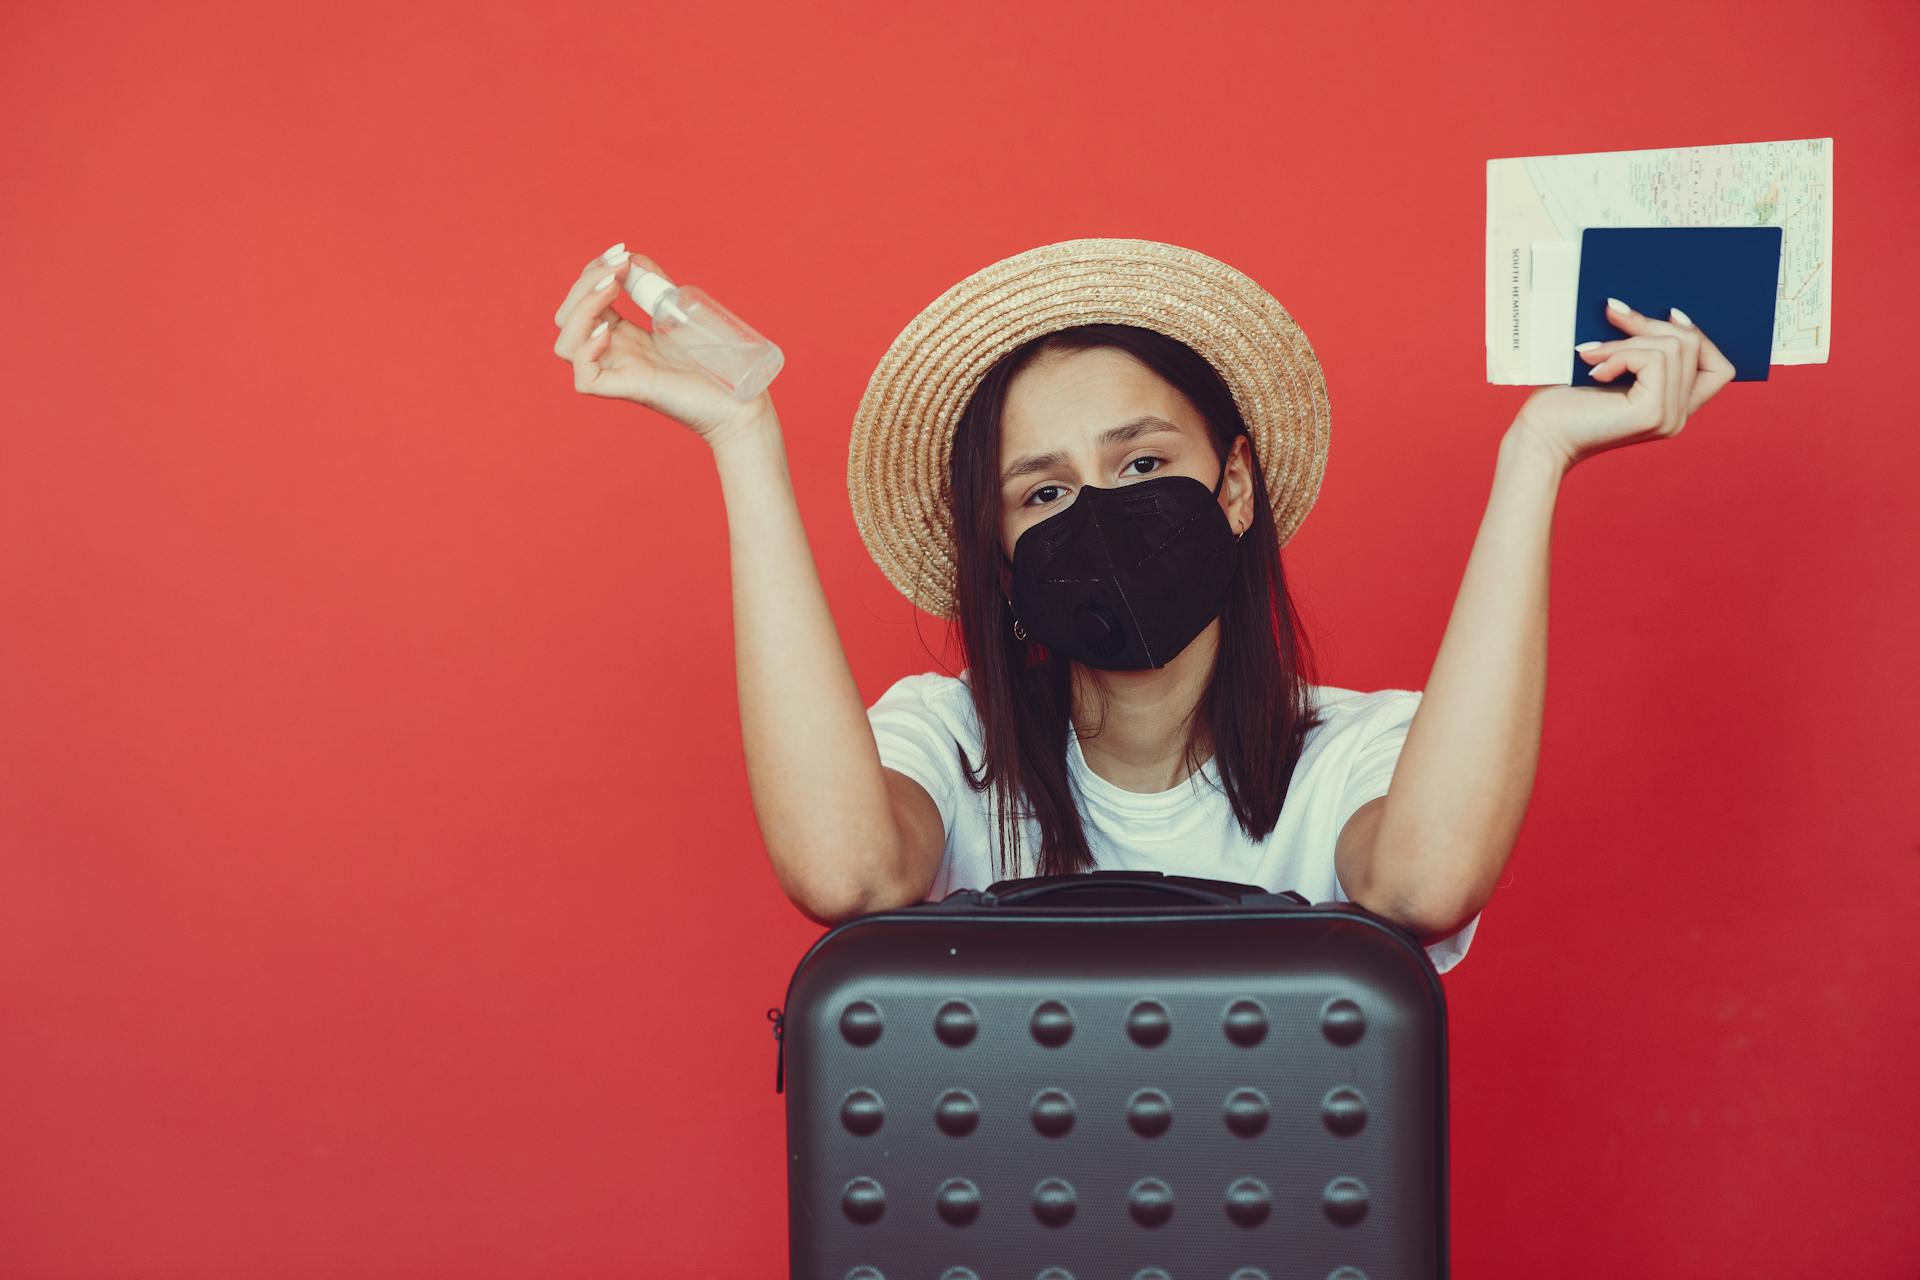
x=1100, y=417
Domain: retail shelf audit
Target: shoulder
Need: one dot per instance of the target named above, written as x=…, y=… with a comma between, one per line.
x=932, y=699
x=1352, y=704
x=917, y=725
x=929, y=684
x=928, y=689
x=1360, y=714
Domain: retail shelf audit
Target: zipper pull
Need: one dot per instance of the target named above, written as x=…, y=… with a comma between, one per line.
x=779, y=1020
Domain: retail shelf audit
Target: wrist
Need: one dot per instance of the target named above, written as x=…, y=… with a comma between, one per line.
x=1526, y=448
x=752, y=432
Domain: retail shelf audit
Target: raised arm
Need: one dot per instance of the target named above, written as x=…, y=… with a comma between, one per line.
x=844, y=837
x=1431, y=854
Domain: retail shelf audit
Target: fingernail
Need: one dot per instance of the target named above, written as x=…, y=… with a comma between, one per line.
x=1679, y=317
x=617, y=262
x=612, y=253
x=1587, y=346
x=1614, y=304
x=603, y=284
x=598, y=330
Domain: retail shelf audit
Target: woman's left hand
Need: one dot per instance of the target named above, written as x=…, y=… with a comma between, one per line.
x=1676, y=369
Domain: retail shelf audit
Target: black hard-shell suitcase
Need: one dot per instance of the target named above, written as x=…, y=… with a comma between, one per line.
x=1115, y=1075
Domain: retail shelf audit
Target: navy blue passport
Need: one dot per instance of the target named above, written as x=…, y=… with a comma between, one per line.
x=1724, y=278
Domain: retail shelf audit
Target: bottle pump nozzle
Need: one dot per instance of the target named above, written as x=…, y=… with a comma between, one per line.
x=647, y=287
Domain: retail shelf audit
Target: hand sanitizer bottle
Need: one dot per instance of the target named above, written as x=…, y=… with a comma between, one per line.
x=694, y=331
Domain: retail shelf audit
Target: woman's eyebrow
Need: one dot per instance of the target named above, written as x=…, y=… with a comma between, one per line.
x=1145, y=425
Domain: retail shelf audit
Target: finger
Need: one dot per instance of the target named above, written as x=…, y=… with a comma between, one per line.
x=1625, y=317
x=611, y=259
x=1714, y=370
x=586, y=358
x=1682, y=341
x=617, y=358
x=1707, y=384
x=1647, y=394
x=1686, y=363
x=1668, y=352
x=589, y=310
x=596, y=360
x=621, y=261
x=1595, y=352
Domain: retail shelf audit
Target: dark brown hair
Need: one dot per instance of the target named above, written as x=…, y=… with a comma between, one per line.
x=1256, y=709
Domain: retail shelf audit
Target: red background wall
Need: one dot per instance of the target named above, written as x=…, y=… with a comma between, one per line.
x=379, y=892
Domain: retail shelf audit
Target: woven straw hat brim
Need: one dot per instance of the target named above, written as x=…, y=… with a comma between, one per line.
x=898, y=476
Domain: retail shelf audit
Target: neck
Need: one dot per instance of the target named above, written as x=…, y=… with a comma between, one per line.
x=1133, y=725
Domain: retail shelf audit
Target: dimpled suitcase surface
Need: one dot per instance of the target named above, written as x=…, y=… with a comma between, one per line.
x=1116, y=1075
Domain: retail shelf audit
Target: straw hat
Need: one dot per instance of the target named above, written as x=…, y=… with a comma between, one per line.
x=898, y=466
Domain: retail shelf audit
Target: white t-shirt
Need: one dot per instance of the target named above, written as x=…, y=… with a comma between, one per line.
x=1189, y=830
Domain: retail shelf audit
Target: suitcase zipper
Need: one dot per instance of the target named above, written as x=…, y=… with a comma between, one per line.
x=779, y=1020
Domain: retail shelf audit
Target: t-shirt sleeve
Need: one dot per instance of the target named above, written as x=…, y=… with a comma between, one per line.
x=1383, y=732
x=914, y=740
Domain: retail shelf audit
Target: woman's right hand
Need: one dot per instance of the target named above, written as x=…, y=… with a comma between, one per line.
x=624, y=362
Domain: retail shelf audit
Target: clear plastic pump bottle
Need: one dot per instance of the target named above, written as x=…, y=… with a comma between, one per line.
x=693, y=331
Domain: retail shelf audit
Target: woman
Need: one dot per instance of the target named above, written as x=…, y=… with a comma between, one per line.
x=1064, y=455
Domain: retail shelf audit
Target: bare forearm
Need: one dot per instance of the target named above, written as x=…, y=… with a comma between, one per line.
x=1466, y=770
x=812, y=765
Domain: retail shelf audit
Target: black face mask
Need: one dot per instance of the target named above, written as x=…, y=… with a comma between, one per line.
x=1125, y=578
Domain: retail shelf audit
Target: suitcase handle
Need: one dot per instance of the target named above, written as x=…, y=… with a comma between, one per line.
x=1219, y=893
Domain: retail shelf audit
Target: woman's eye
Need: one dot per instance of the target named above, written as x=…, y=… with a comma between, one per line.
x=1047, y=488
